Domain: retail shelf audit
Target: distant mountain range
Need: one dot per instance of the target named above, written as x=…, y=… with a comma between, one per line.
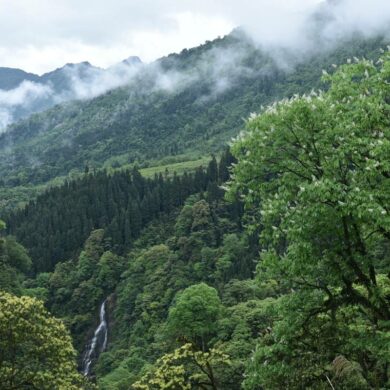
x=10, y=78
x=22, y=93
x=181, y=106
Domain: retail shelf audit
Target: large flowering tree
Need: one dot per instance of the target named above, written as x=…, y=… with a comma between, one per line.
x=36, y=350
x=314, y=173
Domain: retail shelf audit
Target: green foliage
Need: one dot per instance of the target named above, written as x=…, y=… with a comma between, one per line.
x=76, y=289
x=185, y=368
x=110, y=267
x=314, y=171
x=178, y=167
x=152, y=277
x=156, y=278
x=14, y=264
x=239, y=329
x=17, y=255
x=55, y=226
x=195, y=314
x=36, y=350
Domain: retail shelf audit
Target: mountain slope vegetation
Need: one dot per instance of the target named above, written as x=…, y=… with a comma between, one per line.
x=22, y=94
x=55, y=226
x=187, y=103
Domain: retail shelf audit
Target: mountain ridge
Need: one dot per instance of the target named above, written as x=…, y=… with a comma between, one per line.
x=194, y=101
x=23, y=94
x=183, y=107
x=12, y=77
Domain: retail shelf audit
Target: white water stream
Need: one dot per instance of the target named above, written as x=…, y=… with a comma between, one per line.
x=98, y=343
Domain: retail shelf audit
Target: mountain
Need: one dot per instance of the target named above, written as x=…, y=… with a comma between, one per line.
x=186, y=104
x=22, y=94
x=10, y=78
x=132, y=60
x=61, y=78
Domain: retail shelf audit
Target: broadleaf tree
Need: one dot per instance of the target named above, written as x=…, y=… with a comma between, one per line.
x=36, y=350
x=314, y=173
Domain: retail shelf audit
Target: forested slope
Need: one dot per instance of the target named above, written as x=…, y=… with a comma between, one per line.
x=192, y=102
x=55, y=226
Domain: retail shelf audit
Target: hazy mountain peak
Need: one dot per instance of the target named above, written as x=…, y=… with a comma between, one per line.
x=11, y=77
x=132, y=60
x=77, y=64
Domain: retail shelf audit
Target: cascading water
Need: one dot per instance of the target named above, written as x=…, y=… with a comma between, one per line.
x=98, y=343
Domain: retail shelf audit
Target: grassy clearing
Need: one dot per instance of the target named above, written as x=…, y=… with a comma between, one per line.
x=179, y=168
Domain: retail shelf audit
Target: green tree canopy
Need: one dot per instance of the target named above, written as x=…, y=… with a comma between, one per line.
x=195, y=314
x=315, y=174
x=185, y=369
x=36, y=350
x=14, y=264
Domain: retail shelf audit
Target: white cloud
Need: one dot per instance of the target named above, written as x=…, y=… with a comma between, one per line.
x=43, y=35
x=97, y=81
x=23, y=97
x=364, y=16
x=5, y=119
x=40, y=35
x=25, y=93
x=83, y=83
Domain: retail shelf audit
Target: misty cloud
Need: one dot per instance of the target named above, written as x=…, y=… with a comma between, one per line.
x=47, y=34
x=95, y=81
x=24, y=97
x=292, y=31
x=286, y=30
x=347, y=17
x=76, y=82
x=220, y=67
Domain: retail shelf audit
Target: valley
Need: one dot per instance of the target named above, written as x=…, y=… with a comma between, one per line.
x=215, y=219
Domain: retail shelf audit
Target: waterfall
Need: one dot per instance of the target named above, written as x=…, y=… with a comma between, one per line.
x=98, y=343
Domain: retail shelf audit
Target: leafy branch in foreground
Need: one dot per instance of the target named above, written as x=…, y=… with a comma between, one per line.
x=185, y=368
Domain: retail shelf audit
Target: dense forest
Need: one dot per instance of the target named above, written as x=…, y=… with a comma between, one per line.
x=268, y=268
x=56, y=225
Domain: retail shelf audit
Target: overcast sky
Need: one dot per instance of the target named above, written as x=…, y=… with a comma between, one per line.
x=40, y=35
